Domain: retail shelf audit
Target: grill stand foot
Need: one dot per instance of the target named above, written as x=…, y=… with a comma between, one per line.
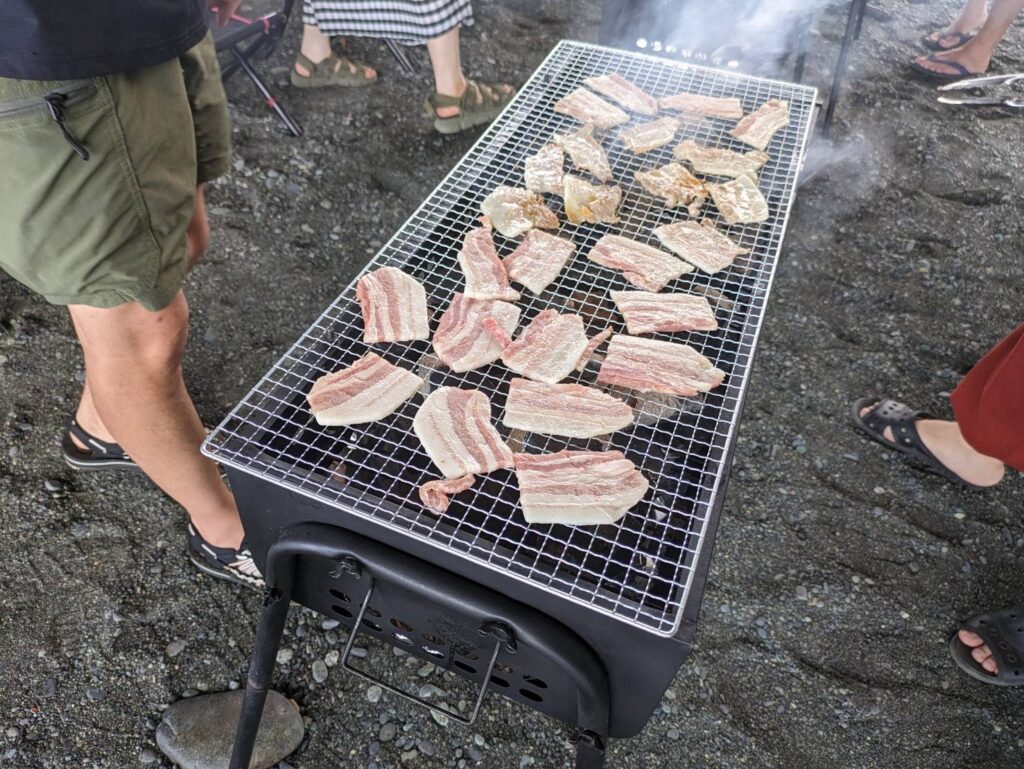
x=589, y=750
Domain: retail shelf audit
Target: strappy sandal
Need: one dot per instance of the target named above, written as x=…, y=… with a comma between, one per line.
x=902, y=421
x=931, y=41
x=333, y=71
x=1003, y=633
x=98, y=455
x=480, y=103
x=961, y=72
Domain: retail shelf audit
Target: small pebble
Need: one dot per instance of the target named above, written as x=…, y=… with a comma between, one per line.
x=673, y=734
x=319, y=671
x=332, y=657
x=801, y=593
x=409, y=755
x=426, y=747
x=373, y=694
x=174, y=648
x=387, y=732
x=49, y=687
x=474, y=754
x=95, y=694
x=284, y=656
x=329, y=624
x=147, y=756
x=53, y=485
x=440, y=719
x=13, y=733
x=358, y=652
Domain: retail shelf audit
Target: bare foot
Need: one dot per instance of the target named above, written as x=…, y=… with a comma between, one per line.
x=979, y=650
x=453, y=111
x=974, y=58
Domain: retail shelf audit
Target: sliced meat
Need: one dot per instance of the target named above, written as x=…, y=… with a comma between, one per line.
x=456, y=431
x=707, y=106
x=675, y=186
x=537, y=261
x=644, y=266
x=544, y=170
x=758, y=128
x=368, y=390
x=700, y=244
x=485, y=274
x=569, y=410
x=648, y=136
x=547, y=350
x=394, y=306
x=585, y=152
x=740, y=201
x=436, y=495
x=578, y=488
x=627, y=94
x=461, y=340
x=647, y=313
x=595, y=341
x=593, y=203
x=514, y=211
x=590, y=108
x=718, y=162
x=650, y=365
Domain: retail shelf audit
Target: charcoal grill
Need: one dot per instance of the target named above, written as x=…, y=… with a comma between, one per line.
x=587, y=624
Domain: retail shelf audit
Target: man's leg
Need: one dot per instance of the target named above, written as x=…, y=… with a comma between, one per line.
x=976, y=54
x=133, y=365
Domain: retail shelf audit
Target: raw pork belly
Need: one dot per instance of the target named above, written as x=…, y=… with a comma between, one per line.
x=700, y=244
x=718, y=162
x=708, y=106
x=647, y=313
x=394, y=306
x=644, y=266
x=650, y=365
x=648, y=136
x=538, y=260
x=595, y=341
x=585, y=152
x=758, y=128
x=368, y=390
x=569, y=410
x=435, y=495
x=593, y=203
x=485, y=274
x=544, y=170
x=461, y=341
x=675, y=186
x=578, y=488
x=740, y=201
x=547, y=350
x=455, y=429
x=590, y=108
x=627, y=94
x=514, y=211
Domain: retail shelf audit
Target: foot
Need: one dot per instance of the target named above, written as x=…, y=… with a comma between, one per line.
x=972, y=57
x=945, y=441
x=92, y=426
x=970, y=19
x=979, y=650
x=457, y=93
x=344, y=70
x=233, y=564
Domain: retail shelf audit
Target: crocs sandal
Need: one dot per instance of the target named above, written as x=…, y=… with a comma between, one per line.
x=1003, y=633
x=931, y=41
x=223, y=562
x=902, y=420
x=99, y=455
x=946, y=77
x=333, y=71
x=480, y=103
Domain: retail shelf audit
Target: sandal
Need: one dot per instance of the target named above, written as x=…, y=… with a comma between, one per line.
x=1003, y=633
x=480, y=103
x=333, y=71
x=99, y=455
x=946, y=77
x=931, y=42
x=902, y=420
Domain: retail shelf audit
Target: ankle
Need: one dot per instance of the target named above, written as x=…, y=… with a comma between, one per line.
x=452, y=87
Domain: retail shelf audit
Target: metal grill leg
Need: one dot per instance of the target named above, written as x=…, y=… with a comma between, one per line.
x=589, y=750
x=852, y=22
x=294, y=128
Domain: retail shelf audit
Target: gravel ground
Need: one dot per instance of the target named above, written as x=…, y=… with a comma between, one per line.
x=839, y=572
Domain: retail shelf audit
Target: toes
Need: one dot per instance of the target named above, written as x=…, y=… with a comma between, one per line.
x=864, y=411
x=980, y=654
x=989, y=664
x=968, y=638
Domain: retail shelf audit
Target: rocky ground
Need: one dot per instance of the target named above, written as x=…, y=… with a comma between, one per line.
x=839, y=573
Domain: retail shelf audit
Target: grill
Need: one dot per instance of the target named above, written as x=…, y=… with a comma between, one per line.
x=630, y=593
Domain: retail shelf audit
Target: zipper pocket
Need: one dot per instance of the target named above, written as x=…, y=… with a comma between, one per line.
x=55, y=104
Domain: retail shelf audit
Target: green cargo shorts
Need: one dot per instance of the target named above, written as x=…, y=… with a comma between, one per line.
x=110, y=229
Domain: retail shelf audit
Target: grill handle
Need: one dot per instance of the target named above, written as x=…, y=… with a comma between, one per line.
x=503, y=635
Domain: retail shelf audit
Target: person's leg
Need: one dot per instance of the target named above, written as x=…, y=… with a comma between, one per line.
x=976, y=54
x=971, y=16
x=135, y=383
x=316, y=46
x=446, y=61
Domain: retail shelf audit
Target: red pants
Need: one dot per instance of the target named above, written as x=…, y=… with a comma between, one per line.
x=989, y=403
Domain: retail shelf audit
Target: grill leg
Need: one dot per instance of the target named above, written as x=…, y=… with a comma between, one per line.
x=852, y=22
x=589, y=750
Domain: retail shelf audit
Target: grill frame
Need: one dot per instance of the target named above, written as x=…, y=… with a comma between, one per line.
x=240, y=442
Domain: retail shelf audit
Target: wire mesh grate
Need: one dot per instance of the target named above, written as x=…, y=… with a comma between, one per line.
x=640, y=569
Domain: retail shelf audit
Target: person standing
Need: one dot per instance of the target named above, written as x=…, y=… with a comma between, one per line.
x=964, y=48
x=112, y=118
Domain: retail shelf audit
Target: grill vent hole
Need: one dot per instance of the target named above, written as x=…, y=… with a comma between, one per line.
x=499, y=682
x=463, y=666
x=431, y=638
x=402, y=625
x=506, y=669
x=343, y=597
x=372, y=625
x=404, y=639
x=371, y=612
x=433, y=652
x=531, y=695
x=533, y=681
x=341, y=611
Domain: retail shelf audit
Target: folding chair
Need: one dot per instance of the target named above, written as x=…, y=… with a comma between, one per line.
x=243, y=39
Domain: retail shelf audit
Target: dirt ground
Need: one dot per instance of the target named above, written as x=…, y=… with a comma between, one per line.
x=839, y=572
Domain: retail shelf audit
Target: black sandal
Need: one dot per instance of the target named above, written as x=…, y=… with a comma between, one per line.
x=1003, y=633
x=902, y=420
x=99, y=455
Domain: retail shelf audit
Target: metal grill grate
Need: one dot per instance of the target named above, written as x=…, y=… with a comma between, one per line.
x=640, y=570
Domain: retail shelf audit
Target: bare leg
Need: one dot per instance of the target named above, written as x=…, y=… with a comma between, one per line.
x=976, y=54
x=316, y=46
x=446, y=60
x=135, y=383
x=971, y=16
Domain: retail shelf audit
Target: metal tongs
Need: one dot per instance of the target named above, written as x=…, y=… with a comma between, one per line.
x=1013, y=99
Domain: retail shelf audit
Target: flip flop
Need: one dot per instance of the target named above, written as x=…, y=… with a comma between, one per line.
x=962, y=73
x=902, y=420
x=962, y=38
x=98, y=455
x=1003, y=632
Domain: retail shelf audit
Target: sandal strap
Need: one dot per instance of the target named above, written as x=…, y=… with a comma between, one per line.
x=895, y=415
x=440, y=100
x=1003, y=632
x=96, y=447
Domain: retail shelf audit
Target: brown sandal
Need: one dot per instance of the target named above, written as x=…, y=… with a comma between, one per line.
x=480, y=103
x=333, y=71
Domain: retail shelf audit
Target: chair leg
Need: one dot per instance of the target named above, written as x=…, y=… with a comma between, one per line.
x=590, y=750
x=293, y=127
x=401, y=56
x=856, y=13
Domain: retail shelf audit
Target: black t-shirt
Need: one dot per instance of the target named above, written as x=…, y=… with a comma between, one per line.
x=71, y=39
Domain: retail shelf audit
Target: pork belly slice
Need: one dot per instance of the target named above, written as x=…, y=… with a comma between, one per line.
x=648, y=136
x=485, y=274
x=625, y=93
x=593, y=203
x=700, y=244
x=544, y=170
x=455, y=428
x=578, y=488
x=650, y=365
x=547, y=349
x=712, y=161
x=569, y=410
x=514, y=211
x=590, y=108
x=675, y=186
x=585, y=152
x=706, y=106
x=758, y=128
x=644, y=266
x=538, y=260
x=368, y=390
x=436, y=495
x=648, y=313
x=740, y=201
x=595, y=341
x=394, y=306
x=461, y=342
